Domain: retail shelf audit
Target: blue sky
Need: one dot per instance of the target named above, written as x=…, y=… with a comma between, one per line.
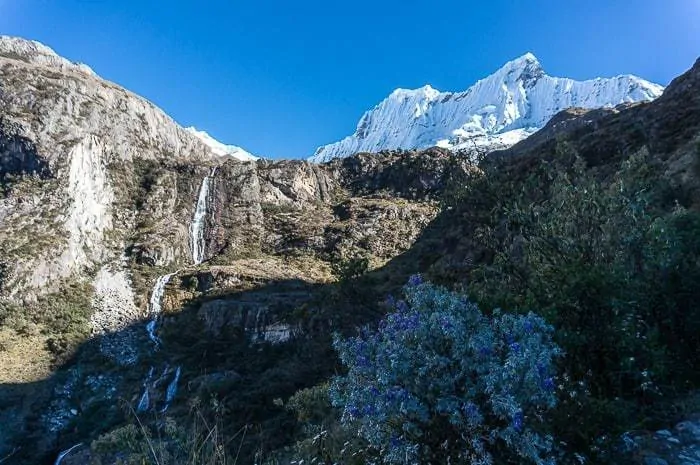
x=280, y=78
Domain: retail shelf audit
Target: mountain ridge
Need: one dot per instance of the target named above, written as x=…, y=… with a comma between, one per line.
x=34, y=53
x=495, y=112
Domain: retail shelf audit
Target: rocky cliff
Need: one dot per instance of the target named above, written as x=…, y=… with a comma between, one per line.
x=105, y=313
x=99, y=193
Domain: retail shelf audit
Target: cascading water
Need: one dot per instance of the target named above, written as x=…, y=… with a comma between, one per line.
x=154, y=307
x=65, y=453
x=172, y=390
x=198, y=246
x=145, y=401
x=197, y=241
x=154, y=310
x=151, y=329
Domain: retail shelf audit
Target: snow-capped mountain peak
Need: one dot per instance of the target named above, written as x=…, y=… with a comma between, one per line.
x=425, y=91
x=526, y=69
x=527, y=61
x=495, y=112
x=220, y=148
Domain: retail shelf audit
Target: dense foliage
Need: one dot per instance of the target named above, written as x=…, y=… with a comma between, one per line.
x=62, y=317
x=610, y=261
x=440, y=382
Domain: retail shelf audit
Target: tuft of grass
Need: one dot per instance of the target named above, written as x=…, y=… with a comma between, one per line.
x=197, y=440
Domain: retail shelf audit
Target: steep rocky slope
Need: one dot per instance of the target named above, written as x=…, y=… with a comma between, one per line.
x=98, y=221
x=105, y=314
x=64, y=127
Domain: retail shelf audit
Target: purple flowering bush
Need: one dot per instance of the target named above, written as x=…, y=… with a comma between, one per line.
x=440, y=382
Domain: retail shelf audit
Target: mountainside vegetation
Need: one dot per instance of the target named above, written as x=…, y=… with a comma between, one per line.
x=609, y=260
x=534, y=305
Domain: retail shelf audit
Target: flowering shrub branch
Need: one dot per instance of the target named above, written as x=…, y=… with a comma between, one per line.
x=440, y=382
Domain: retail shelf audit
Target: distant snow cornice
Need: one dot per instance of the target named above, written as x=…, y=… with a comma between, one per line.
x=495, y=112
x=220, y=148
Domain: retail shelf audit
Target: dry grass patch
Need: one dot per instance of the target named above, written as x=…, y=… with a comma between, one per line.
x=24, y=357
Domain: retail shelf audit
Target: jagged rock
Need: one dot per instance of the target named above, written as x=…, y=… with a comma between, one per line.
x=256, y=293
x=295, y=183
x=679, y=446
x=18, y=155
x=415, y=175
x=383, y=228
x=234, y=226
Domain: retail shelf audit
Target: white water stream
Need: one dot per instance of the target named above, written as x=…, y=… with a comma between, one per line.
x=145, y=401
x=65, y=453
x=155, y=307
x=197, y=240
x=198, y=246
x=172, y=390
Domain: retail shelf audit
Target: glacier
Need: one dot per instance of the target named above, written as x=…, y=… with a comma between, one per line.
x=220, y=148
x=496, y=112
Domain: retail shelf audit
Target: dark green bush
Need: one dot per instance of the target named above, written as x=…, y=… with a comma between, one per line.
x=611, y=263
x=346, y=269
x=324, y=439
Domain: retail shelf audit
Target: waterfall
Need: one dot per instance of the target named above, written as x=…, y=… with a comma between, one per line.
x=145, y=401
x=198, y=244
x=154, y=306
x=63, y=454
x=151, y=329
x=172, y=390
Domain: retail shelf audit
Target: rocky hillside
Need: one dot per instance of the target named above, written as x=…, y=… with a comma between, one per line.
x=103, y=202
x=86, y=138
x=148, y=279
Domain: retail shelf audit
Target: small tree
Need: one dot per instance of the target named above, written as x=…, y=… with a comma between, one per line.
x=345, y=269
x=439, y=382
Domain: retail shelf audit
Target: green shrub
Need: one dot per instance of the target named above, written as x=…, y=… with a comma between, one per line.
x=439, y=382
x=194, y=441
x=63, y=316
x=346, y=269
x=324, y=439
x=66, y=314
x=610, y=263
